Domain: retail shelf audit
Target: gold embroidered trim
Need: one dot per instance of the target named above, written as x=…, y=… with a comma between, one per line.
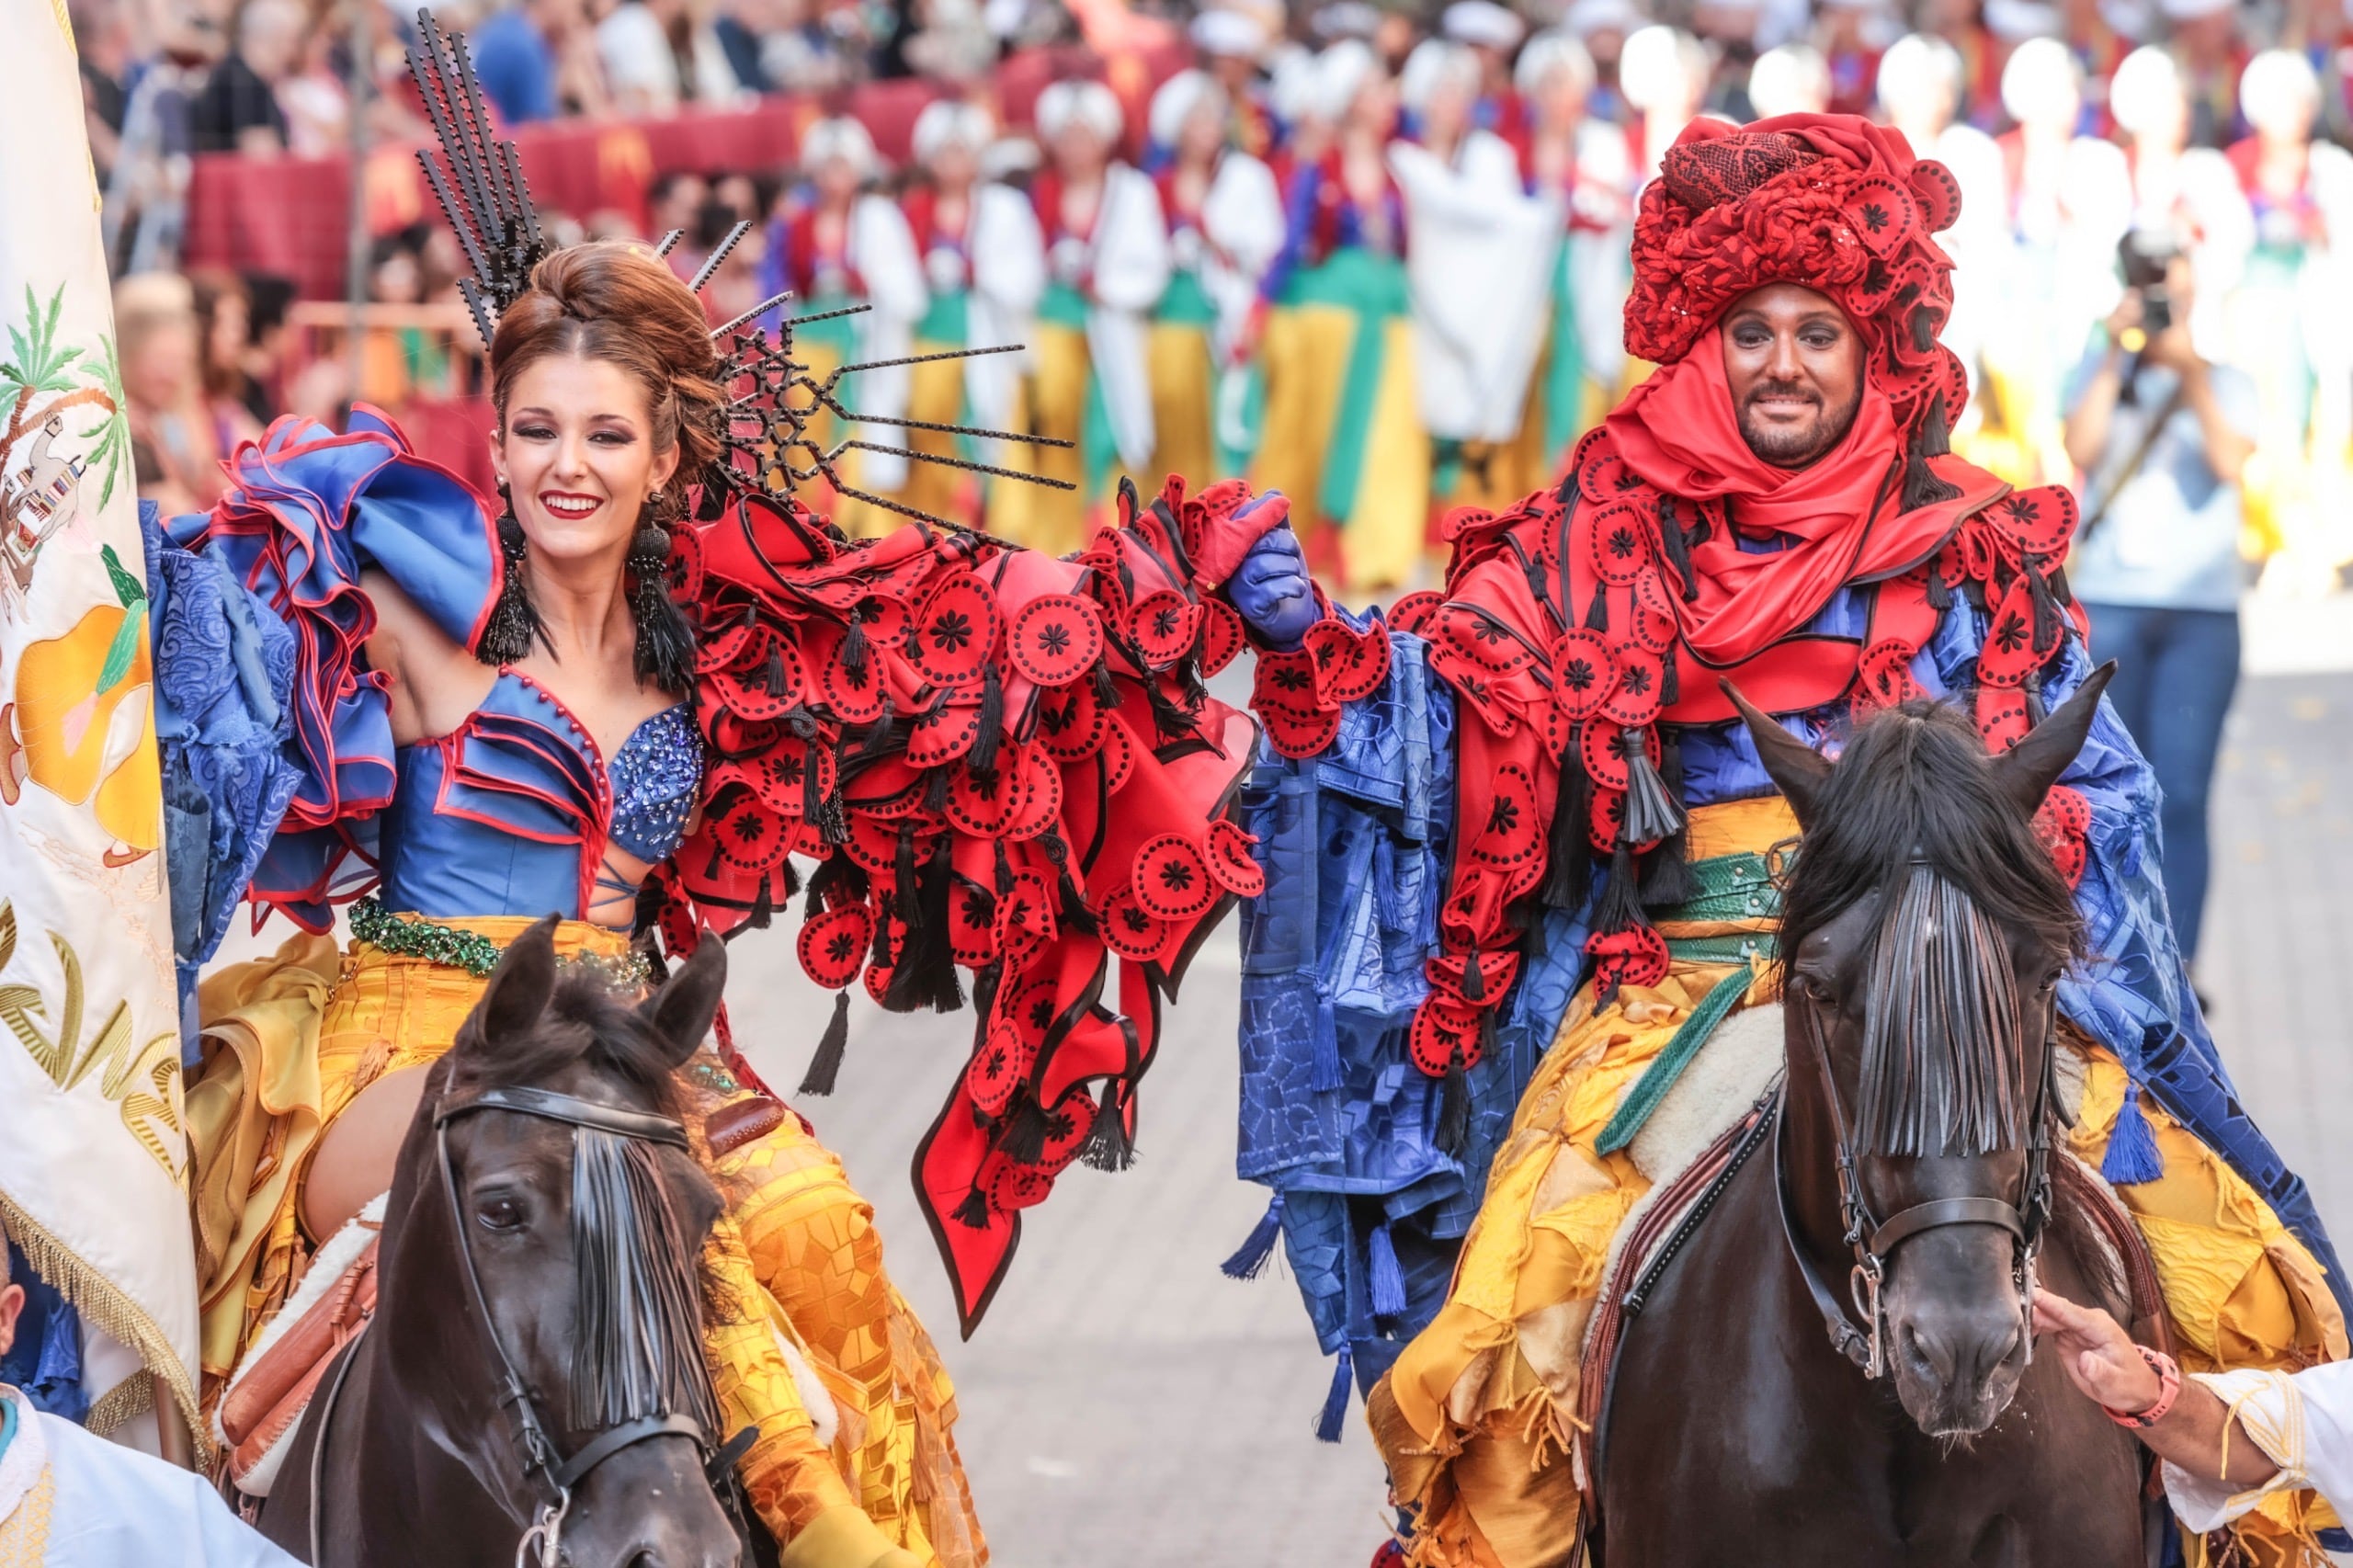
x=135, y=1396
x=102, y=1302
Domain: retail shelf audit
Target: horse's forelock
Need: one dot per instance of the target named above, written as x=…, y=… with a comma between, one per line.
x=1912, y=810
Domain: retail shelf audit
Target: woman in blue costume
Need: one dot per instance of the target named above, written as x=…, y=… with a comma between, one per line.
x=627, y=700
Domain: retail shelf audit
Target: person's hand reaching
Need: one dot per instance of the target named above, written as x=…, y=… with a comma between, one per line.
x=2099, y=1356
x=1272, y=589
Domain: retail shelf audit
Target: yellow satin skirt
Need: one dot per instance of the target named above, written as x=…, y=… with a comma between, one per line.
x=291, y=1040
x=1054, y=399
x=1477, y=1416
x=1184, y=399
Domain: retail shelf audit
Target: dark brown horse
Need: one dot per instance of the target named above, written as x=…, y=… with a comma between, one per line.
x=533, y=1388
x=1837, y=1369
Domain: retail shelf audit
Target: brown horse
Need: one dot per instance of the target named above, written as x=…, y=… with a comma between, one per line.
x=1837, y=1367
x=533, y=1388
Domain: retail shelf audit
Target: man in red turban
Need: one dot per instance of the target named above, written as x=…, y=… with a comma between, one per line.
x=1516, y=838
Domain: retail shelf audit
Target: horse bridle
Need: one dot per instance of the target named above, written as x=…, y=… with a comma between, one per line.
x=541, y=1456
x=1873, y=1242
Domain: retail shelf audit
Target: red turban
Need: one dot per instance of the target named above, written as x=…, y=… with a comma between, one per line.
x=1828, y=201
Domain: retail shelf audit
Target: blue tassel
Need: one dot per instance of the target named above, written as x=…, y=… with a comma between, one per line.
x=1388, y=1279
x=1250, y=1260
x=1325, y=1072
x=2132, y=1156
x=1335, y=1404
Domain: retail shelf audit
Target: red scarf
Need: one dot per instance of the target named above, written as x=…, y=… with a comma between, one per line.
x=1678, y=431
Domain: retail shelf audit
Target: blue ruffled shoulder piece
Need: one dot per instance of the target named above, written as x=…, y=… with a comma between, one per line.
x=224, y=682
x=308, y=511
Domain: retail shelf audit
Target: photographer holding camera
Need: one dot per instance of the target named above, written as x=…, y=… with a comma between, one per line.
x=2161, y=437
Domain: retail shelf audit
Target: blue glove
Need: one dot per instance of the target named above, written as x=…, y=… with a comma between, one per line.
x=1271, y=590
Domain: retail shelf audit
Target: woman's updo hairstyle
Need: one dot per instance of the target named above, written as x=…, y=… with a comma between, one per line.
x=622, y=304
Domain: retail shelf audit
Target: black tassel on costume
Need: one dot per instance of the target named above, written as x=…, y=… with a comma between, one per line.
x=826, y=1066
x=1568, y=870
x=1652, y=812
x=1932, y=437
x=2046, y=608
x=1075, y=916
x=1106, y=691
x=1108, y=1145
x=853, y=643
x=666, y=642
x=982, y=760
x=1666, y=870
x=923, y=973
x=1677, y=546
x=1453, y=1131
x=974, y=1210
x=1596, y=615
x=1024, y=1138
x=838, y=880
x=1939, y=592
x=514, y=624
x=1621, y=908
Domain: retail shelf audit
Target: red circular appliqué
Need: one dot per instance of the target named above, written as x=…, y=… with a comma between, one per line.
x=1055, y=638
x=1171, y=879
x=954, y=637
x=834, y=944
x=1227, y=849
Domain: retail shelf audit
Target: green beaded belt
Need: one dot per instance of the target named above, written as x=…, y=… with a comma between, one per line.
x=414, y=937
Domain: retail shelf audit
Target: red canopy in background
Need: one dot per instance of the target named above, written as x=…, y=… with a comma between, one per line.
x=292, y=215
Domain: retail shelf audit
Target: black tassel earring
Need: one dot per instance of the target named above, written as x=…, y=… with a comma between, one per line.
x=666, y=642
x=514, y=623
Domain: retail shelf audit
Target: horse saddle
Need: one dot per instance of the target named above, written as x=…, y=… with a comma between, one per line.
x=273, y=1384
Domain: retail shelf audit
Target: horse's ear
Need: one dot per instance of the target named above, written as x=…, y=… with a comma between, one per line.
x=1795, y=767
x=519, y=987
x=682, y=1010
x=2027, y=769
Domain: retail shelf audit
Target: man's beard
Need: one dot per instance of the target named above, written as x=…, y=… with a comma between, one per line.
x=1785, y=446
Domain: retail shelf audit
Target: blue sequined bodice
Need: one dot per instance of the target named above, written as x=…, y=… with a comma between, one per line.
x=514, y=812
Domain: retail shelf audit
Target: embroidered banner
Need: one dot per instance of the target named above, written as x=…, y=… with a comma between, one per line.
x=93, y=1161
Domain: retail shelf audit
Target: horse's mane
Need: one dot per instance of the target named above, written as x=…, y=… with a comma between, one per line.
x=639, y=1211
x=1912, y=810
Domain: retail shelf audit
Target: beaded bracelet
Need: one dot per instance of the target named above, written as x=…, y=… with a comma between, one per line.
x=2168, y=1390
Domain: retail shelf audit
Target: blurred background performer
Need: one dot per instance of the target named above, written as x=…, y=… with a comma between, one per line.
x=92, y=1188
x=1480, y=254
x=1107, y=265
x=1342, y=437
x=1226, y=225
x=841, y=244
x=1577, y=159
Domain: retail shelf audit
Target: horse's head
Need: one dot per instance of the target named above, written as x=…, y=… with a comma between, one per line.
x=546, y=1161
x=1925, y=929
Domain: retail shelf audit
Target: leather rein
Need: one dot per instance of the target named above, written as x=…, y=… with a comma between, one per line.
x=1873, y=1240
x=541, y=1460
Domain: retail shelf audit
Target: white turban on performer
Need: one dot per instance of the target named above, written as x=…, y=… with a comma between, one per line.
x=2280, y=92
x=841, y=138
x=1341, y=73
x=1482, y=23
x=2146, y=91
x=1914, y=66
x=1090, y=104
x=1174, y=104
x=1790, y=79
x=2041, y=73
x=1658, y=63
x=1548, y=53
x=1433, y=63
x=1234, y=34
x=945, y=123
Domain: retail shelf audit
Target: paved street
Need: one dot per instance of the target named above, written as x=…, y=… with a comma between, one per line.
x=1126, y=1403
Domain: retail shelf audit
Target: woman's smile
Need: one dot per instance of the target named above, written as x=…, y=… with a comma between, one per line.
x=569, y=505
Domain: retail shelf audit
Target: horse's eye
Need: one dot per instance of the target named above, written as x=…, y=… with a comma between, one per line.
x=499, y=1213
